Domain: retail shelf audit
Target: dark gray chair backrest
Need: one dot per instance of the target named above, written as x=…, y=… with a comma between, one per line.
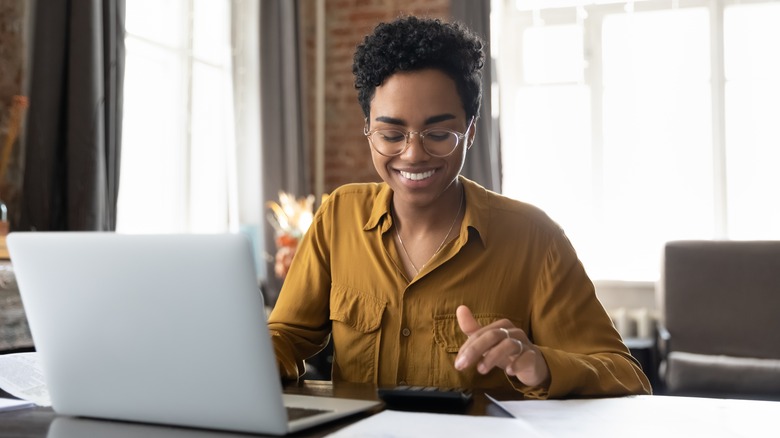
x=723, y=297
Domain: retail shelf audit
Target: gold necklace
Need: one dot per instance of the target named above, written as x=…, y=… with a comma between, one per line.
x=441, y=245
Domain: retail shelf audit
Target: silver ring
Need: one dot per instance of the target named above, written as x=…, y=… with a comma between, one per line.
x=520, y=343
x=517, y=341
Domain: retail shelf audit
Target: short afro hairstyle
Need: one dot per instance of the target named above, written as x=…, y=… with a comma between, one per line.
x=411, y=44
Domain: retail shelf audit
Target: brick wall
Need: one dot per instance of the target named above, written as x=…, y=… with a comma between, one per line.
x=347, y=158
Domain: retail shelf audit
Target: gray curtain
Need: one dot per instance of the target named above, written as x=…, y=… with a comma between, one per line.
x=71, y=170
x=285, y=161
x=483, y=162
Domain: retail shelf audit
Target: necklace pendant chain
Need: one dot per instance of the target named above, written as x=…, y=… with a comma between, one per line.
x=441, y=245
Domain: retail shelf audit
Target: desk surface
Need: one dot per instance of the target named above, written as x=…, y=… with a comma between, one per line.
x=645, y=416
x=35, y=422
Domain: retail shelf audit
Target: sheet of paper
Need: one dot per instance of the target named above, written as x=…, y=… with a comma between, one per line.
x=8, y=404
x=647, y=416
x=390, y=424
x=21, y=376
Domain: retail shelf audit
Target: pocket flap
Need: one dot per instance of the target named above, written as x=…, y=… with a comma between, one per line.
x=356, y=309
x=448, y=335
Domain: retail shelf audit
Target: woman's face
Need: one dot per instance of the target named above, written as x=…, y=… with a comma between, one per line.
x=417, y=101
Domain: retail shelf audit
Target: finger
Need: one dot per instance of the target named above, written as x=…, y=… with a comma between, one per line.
x=467, y=355
x=482, y=342
x=468, y=324
x=520, y=363
x=530, y=368
x=501, y=354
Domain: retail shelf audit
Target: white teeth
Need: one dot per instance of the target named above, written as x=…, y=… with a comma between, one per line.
x=417, y=176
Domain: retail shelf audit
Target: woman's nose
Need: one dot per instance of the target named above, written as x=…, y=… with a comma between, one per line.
x=414, y=147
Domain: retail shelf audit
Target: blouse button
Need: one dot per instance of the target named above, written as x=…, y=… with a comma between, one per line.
x=406, y=332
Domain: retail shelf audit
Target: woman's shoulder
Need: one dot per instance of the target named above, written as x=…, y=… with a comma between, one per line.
x=497, y=206
x=510, y=210
x=361, y=194
x=354, y=198
x=357, y=190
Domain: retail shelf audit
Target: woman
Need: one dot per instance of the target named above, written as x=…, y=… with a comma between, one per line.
x=428, y=278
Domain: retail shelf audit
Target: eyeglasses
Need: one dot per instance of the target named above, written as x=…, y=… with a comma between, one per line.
x=437, y=142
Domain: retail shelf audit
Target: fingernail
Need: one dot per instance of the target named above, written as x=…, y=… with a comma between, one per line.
x=460, y=362
x=482, y=368
x=509, y=370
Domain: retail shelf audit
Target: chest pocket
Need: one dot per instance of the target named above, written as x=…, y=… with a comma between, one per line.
x=448, y=338
x=356, y=317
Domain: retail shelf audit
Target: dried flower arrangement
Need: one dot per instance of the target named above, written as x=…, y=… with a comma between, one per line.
x=290, y=218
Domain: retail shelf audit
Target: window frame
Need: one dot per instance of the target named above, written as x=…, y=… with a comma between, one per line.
x=180, y=51
x=513, y=24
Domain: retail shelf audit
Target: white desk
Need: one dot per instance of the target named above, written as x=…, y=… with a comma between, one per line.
x=637, y=416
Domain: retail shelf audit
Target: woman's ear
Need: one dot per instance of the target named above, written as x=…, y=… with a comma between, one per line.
x=472, y=134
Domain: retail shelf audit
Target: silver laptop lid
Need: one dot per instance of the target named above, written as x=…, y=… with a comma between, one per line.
x=155, y=328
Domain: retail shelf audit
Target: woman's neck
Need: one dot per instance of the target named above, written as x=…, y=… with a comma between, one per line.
x=416, y=220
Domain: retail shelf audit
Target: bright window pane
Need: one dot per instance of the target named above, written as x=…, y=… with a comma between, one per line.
x=657, y=154
x=153, y=140
x=546, y=165
x=157, y=20
x=651, y=168
x=177, y=132
x=752, y=62
x=552, y=54
x=208, y=177
x=211, y=35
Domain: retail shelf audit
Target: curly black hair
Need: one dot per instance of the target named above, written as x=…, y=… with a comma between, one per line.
x=412, y=43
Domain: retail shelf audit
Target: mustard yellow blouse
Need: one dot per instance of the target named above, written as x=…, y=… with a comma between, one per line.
x=510, y=260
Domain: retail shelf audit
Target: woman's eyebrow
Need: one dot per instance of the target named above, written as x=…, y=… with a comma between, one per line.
x=428, y=121
x=391, y=120
x=439, y=118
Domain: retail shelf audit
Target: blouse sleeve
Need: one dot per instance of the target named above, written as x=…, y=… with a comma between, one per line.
x=300, y=323
x=584, y=352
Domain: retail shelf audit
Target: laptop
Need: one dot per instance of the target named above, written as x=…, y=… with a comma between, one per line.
x=164, y=329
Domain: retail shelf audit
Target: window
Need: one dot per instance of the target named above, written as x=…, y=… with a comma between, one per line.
x=634, y=123
x=178, y=151
x=752, y=96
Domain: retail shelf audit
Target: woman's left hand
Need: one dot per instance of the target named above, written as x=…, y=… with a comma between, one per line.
x=502, y=345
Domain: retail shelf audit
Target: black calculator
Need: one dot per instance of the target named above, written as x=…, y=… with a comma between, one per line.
x=424, y=396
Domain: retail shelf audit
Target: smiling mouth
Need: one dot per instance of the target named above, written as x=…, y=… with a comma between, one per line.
x=417, y=176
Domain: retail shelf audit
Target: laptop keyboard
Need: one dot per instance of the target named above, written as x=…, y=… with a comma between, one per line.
x=298, y=413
